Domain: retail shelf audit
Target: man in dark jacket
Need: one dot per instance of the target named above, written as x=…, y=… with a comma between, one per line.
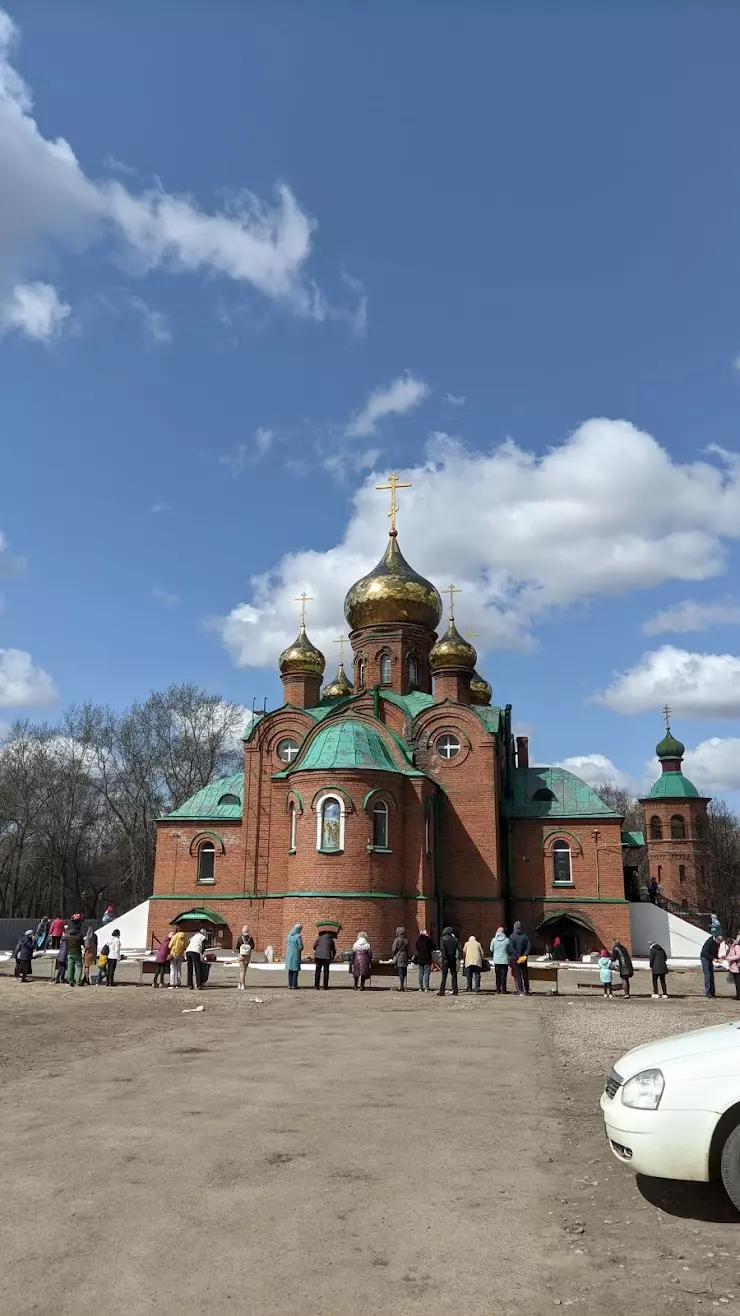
x=75, y=939
x=450, y=952
x=520, y=948
x=324, y=951
x=622, y=960
x=708, y=955
x=658, y=968
x=424, y=948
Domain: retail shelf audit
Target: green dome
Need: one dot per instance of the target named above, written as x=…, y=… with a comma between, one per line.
x=669, y=747
x=349, y=744
x=673, y=785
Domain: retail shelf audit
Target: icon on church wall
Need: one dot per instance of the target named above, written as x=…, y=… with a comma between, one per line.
x=330, y=825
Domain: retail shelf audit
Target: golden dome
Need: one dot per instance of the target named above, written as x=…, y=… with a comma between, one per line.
x=451, y=650
x=339, y=688
x=480, y=691
x=393, y=592
x=302, y=657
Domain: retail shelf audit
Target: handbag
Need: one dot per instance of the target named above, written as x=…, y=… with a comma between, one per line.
x=485, y=966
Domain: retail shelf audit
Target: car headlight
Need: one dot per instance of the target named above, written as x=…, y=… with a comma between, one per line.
x=643, y=1092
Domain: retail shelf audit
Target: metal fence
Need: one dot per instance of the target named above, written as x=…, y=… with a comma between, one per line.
x=12, y=929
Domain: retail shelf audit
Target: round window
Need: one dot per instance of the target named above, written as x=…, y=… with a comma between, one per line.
x=448, y=746
x=287, y=749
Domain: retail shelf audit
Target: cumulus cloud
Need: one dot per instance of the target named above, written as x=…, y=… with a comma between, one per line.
x=49, y=202
x=691, y=616
x=22, y=683
x=696, y=685
x=597, y=770
x=400, y=396
x=714, y=765
x=604, y=512
x=155, y=324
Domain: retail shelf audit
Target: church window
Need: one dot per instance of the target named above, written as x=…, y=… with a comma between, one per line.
x=678, y=828
x=361, y=673
x=206, y=862
x=380, y=826
x=656, y=828
x=228, y=798
x=448, y=746
x=287, y=750
x=562, y=874
x=330, y=824
x=385, y=669
x=293, y=826
x=413, y=670
x=682, y=872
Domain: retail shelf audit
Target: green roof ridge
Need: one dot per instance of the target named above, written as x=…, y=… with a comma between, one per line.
x=204, y=803
x=569, y=796
x=674, y=786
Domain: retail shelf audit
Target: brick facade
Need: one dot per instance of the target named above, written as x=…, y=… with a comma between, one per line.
x=676, y=832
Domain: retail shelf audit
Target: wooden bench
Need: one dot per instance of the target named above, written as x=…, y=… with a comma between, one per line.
x=545, y=973
x=596, y=982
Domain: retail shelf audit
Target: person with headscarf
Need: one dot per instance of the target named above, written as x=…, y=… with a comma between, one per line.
x=473, y=962
x=450, y=949
x=89, y=956
x=324, y=951
x=520, y=948
x=293, y=951
x=558, y=950
x=244, y=947
x=501, y=955
x=24, y=955
x=160, y=960
x=424, y=951
x=361, y=961
x=42, y=933
x=400, y=957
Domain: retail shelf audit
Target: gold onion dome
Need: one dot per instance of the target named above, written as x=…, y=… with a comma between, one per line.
x=339, y=688
x=480, y=690
x=451, y=650
x=302, y=657
x=393, y=592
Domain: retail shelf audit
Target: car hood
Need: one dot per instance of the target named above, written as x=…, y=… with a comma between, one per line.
x=683, y=1046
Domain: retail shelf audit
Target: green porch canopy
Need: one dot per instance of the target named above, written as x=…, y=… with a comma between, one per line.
x=200, y=915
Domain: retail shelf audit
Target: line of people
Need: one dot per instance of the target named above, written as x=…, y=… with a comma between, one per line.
x=77, y=953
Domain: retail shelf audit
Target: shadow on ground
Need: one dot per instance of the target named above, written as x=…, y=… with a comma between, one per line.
x=689, y=1201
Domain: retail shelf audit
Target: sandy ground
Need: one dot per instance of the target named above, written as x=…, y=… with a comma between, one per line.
x=319, y=1151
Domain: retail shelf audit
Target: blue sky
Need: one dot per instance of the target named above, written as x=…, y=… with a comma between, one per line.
x=225, y=229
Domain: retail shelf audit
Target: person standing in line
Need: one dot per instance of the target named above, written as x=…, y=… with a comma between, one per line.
x=293, y=952
x=42, y=934
x=74, y=950
x=622, y=960
x=450, y=949
x=658, y=968
x=114, y=955
x=715, y=927
x=501, y=954
x=194, y=956
x=605, y=972
x=361, y=962
x=101, y=977
x=473, y=962
x=708, y=955
x=424, y=950
x=60, y=964
x=160, y=961
x=178, y=941
x=24, y=955
x=244, y=948
x=400, y=957
x=108, y=915
x=324, y=951
x=89, y=956
x=56, y=932
x=733, y=963
x=520, y=948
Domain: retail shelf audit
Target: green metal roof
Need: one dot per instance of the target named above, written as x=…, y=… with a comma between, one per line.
x=200, y=915
x=412, y=704
x=633, y=839
x=674, y=786
x=347, y=743
x=489, y=715
x=205, y=802
x=560, y=795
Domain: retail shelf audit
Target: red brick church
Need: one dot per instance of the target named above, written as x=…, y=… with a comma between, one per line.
x=401, y=798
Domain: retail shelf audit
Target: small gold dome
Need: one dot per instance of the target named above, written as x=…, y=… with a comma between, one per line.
x=480, y=691
x=393, y=592
x=451, y=650
x=339, y=688
x=302, y=657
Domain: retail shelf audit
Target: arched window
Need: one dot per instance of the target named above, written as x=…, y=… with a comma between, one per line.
x=678, y=828
x=562, y=874
x=413, y=670
x=293, y=826
x=656, y=828
x=385, y=669
x=206, y=862
x=361, y=672
x=228, y=798
x=330, y=830
x=380, y=825
x=682, y=872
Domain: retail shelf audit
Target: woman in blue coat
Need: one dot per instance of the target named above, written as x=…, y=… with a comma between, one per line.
x=293, y=950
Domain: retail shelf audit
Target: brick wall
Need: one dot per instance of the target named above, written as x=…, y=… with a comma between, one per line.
x=677, y=864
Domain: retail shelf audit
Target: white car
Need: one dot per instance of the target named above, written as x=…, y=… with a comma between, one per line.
x=672, y=1108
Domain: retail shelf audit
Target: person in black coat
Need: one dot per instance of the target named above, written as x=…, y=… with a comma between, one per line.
x=24, y=955
x=324, y=951
x=708, y=955
x=622, y=961
x=423, y=957
x=450, y=949
x=658, y=968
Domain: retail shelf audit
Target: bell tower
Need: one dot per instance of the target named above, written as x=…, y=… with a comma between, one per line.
x=676, y=827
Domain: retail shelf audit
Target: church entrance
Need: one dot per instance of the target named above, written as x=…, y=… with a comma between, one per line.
x=574, y=931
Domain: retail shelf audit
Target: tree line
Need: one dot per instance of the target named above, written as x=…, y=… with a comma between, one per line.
x=79, y=799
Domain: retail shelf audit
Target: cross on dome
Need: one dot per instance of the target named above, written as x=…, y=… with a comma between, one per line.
x=393, y=484
x=452, y=590
x=303, y=599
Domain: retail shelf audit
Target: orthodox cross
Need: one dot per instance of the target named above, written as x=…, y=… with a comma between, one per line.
x=303, y=599
x=393, y=484
x=341, y=641
x=667, y=715
x=452, y=590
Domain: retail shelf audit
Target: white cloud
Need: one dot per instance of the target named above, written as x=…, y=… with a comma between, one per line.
x=597, y=770
x=400, y=396
x=156, y=325
x=456, y=400
x=9, y=566
x=117, y=166
x=263, y=440
x=164, y=597
x=160, y=507
x=235, y=461
x=22, y=683
x=35, y=310
x=695, y=685
x=602, y=513
x=241, y=456
x=691, y=616
x=714, y=765
x=49, y=202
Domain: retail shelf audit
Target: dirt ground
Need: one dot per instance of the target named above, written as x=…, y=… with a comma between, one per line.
x=307, y=1152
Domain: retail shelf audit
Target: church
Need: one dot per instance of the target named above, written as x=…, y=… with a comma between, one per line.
x=401, y=798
